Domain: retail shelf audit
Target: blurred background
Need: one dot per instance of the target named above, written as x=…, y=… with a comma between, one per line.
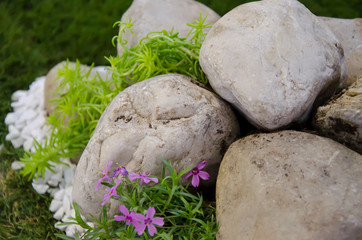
x=37, y=34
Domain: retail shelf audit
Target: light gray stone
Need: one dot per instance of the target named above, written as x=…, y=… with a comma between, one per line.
x=273, y=60
x=289, y=185
x=158, y=15
x=165, y=117
x=341, y=118
x=349, y=33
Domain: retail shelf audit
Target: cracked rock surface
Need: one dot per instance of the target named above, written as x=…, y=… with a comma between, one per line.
x=167, y=117
x=289, y=185
x=341, y=118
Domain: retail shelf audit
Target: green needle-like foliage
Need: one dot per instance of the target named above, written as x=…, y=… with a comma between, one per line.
x=83, y=99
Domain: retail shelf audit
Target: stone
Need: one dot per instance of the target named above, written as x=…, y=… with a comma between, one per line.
x=52, y=81
x=289, y=185
x=349, y=33
x=164, y=117
x=158, y=15
x=341, y=118
x=273, y=60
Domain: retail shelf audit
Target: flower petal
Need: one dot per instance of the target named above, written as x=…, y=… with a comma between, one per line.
x=133, y=176
x=153, y=179
x=119, y=218
x=188, y=175
x=195, y=181
x=201, y=165
x=150, y=212
x=152, y=230
x=139, y=227
x=158, y=221
x=204, y=175
x=124, y=210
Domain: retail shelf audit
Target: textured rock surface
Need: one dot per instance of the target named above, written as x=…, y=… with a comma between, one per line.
x=272, y=59
x=341, y=118
x=52, y=81
x=166, y=117
x=349, y=33
x=157, y=15
x=289, y=185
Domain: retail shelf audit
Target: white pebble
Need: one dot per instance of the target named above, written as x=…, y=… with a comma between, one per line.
x=59, y=195
x=28, y=143
x=69, y=175
x=27, y=115
x=17, y=142
x=12, y=136
x=55, y=205
x=60, y=227
x=16, y=165
x=40, y=188
x=18, y=94
x=11, y=118
x=59, y=213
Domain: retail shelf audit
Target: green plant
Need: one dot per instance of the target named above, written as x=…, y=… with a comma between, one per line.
x=83, y=100
x=171, y=211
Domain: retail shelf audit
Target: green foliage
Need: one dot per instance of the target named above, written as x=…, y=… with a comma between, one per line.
x=186, y=216
x=83, y=99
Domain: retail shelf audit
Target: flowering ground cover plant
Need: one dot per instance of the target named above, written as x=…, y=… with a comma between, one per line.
x=83, y=100
x=151, y=207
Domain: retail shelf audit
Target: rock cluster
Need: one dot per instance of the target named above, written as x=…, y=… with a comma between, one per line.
x=277, y=64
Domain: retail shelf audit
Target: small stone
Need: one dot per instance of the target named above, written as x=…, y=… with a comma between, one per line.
x=18, y=94
x=60, y=227
x=11, y=118
x=55, y=205
x=16, y=165
x=59, y=213
x=17, y=142
x=59, y=195
x=40, y=188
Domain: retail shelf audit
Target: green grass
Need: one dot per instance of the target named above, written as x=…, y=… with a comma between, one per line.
x=37, y=34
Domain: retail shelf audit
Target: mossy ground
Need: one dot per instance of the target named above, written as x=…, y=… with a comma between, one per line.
x=36, y=35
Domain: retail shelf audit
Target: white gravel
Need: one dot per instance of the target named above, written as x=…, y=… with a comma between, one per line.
x=26, y=123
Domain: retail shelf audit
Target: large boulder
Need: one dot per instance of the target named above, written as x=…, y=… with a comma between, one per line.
x=52, y=81
x=341, y=118
x=349, y=33
x=272, y=60
x=289, y=185
x=165, y=117
x=158, y=15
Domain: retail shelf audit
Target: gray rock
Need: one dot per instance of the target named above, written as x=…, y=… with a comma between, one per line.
x=289, y=185
x=273, y=60
x=349, y=33
x=52, y=81
x=158, y=15
x=165, y=117
x=341, y=118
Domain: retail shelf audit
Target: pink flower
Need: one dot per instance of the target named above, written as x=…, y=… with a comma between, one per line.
x=129, y=218
x=148, y=221
x=120, y=170
x=196, y=173
x=111, y=192
x=104, y=176
x=144, y=178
